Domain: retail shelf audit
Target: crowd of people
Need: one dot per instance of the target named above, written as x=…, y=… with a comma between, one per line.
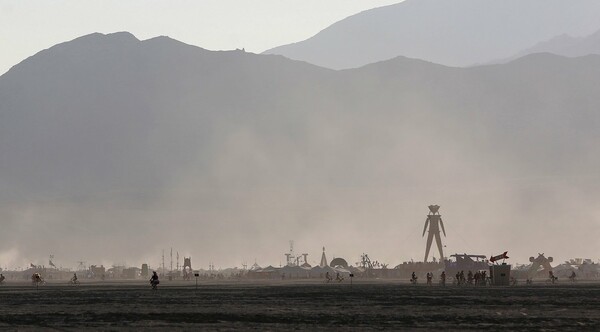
x=479, y=278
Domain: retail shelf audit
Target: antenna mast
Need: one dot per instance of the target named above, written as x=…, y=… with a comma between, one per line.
x=163, y=261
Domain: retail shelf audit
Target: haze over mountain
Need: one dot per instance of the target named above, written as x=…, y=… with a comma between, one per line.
x=565, y=45
x=115, y=148
x=449, y=32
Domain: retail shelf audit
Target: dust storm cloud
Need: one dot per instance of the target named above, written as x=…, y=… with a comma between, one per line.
x=115, y=148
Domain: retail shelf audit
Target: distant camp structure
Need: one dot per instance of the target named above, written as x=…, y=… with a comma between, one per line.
x=297, y=260
x=187, y=268
x=466, y=262
x=339, y=262
x=540, y=266
x=323, y=259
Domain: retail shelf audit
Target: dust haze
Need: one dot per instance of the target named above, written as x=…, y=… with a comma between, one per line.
x=114, y=149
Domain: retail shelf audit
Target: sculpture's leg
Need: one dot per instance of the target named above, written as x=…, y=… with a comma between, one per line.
x=429, y=240
x=438, y=241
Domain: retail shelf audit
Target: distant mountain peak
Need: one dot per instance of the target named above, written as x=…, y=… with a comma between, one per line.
x=564, y=45
x=121, y=36
x=456, y=33
x=166, y=41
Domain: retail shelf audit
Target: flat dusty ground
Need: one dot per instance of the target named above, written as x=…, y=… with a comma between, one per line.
x=298, y=305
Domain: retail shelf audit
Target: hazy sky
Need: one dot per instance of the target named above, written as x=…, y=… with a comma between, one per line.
x=27, y=27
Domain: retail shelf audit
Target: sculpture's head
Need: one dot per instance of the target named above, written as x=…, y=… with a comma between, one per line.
x=434, y=208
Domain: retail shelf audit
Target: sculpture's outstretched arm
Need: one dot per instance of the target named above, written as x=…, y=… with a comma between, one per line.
x=425, y=228
x=442, y=224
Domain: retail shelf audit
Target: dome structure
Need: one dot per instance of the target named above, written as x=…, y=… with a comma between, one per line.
x=339, y=262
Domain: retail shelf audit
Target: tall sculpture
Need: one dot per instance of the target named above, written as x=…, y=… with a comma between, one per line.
x=187, y=268
x=434, y=220
x=536, y=263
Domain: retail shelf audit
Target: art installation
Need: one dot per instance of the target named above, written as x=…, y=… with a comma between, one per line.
x=434, y=220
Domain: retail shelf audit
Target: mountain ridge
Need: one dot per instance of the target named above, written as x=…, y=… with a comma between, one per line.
x=564, y=45
x=455, y=33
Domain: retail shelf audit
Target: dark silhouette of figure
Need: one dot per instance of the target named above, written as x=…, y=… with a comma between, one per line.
x=434, y=220
x=443, y=278
x=2, y=278
x=572, y=276
x=413, y=278
x=429, y=278
x=154, y=280
x=74, y=279
x=36, y=279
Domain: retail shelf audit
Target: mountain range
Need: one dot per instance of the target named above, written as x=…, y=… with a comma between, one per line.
x=565, y=45
x=114, y=147
x=449, y=32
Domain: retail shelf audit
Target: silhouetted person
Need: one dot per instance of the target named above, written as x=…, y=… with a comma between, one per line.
x=154, y=280
x=2, y=278
x=36, y=279
x=328, y=277
x=429, y=278
x=443, y=278
x=551, y=276
x=413, y=278
x=573, y=276
x=74, y=278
